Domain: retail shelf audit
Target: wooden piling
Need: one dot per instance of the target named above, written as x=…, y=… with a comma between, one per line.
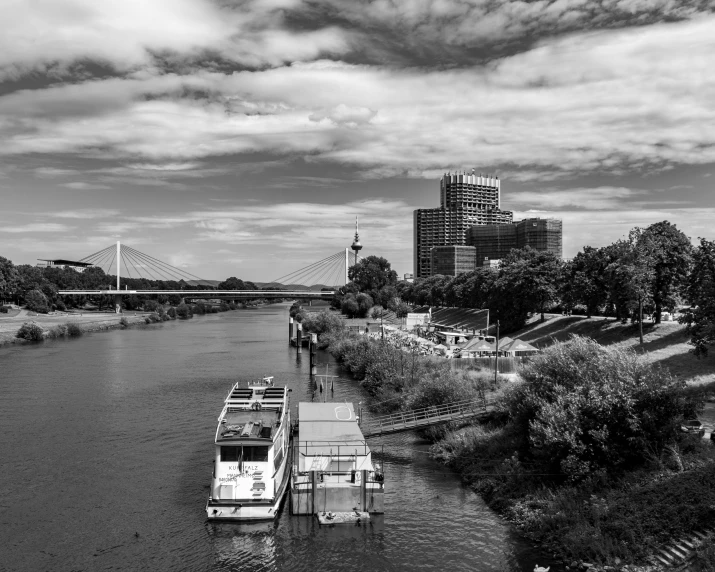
x=313, y=348
x=299, y=339
x=290, y=328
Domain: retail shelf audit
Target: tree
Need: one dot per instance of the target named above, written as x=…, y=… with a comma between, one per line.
x=586, y=407
x=9, y=278
x=700, y=317
x=37, y=302
x=371, y=274
x=584, y=280
x=670, y=252
x=234, y=283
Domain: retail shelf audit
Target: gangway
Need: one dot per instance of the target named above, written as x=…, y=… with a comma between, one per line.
x=425, y=417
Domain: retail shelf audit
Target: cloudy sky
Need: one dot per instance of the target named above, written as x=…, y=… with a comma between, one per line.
x=243, y=137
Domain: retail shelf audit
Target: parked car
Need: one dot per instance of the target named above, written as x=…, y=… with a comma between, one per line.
x=693, y=426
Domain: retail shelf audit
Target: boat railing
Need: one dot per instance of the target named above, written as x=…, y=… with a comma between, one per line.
x=347, y=454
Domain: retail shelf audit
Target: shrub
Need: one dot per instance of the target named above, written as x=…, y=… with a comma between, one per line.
x=4, y=309
x=58, y=331
x=232, y=306
x=199, y=309
x=73, y=330
x=322, y=322
x=153, y=318
x=151, y=305
x=171, y=312
x=587, y=407
x=183, y=311
x=36, y=301
x=60, y=305
x=223, y=307
x=124, y=322
x=31, y=332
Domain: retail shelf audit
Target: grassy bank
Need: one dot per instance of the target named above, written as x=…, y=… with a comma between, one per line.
x=585, y=456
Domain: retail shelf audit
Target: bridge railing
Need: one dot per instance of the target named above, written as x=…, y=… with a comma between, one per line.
x=425, y=415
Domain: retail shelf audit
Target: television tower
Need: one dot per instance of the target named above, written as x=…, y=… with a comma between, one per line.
x=356, y=246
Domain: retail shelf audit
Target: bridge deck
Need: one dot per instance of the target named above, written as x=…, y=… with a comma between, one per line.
x=418, y=418
x=208, y=293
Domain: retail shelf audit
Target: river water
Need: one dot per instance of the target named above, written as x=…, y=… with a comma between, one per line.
x=106, y=452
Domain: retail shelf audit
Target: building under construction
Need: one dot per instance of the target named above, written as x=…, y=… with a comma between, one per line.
x=494, y=241
x=452, y=260
x=465, y=200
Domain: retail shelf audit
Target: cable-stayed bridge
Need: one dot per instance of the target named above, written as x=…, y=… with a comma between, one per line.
x=318, y=280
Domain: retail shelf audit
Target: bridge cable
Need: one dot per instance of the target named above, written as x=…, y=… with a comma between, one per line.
x=309, y=272
x=126, y=266
x=104, y=260
x=174, y=268
x=149, y=263
x=148, y=269
x=95, y=254
x=306, y=267
x=101, y=256
x=164, y=275
x=139, y=276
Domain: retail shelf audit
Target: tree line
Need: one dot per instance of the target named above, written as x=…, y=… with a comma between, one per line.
x=37, y=287
x=652, y=270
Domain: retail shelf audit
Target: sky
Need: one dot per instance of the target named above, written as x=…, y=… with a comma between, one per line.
x=242, y=138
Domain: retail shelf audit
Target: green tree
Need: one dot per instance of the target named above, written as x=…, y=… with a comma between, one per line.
x=584, y=280
x=9, y=278
x=670, y=253
x=700, y=317
x=372, y=274
x=587, y=407
x=234, y=283
x=37, y=302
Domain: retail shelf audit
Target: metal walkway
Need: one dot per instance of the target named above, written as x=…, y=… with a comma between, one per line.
x=418, y=418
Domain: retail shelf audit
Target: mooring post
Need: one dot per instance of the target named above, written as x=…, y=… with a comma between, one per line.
x=363, y=490
x=313, y=353
x=299, y=338
x=290, y=328
x=314, y=490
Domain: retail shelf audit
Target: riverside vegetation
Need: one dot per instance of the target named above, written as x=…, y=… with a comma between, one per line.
x=584, y=455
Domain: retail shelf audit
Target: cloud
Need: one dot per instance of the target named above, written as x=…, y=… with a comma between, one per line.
x=593, y=198
x=84, y=186
x=52, y=172
x=36, y=227
x=59, y=37
x=613, y=101
x=85, y=213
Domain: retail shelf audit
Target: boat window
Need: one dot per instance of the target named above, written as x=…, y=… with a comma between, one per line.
x=230, y=454
x=255, y=454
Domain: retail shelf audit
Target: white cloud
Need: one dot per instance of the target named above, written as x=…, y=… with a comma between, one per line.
x=84, y=186
x=51, y=35
x=85, y=213
x=610, y=101
x=36, y=227
x=592, y=198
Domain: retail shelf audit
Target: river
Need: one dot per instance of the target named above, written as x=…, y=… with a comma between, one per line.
x=107, y=444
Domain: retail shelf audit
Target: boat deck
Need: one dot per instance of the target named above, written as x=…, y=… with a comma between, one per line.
x=248, y=424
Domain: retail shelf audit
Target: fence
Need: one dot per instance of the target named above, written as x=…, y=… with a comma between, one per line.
x=506, y=364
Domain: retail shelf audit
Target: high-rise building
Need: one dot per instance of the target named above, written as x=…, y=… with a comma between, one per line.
x=465, y=200
x=494, y=241
x=452, y=260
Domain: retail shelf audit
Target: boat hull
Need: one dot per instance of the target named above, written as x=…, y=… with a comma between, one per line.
x=251, y=510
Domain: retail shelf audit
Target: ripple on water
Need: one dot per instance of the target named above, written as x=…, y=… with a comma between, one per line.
x=107, y=457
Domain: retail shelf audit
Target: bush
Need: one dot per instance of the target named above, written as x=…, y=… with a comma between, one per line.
x=232, y=306
x=587, y=407
x=36, y=301
x=124, y=322
x=4, y=309
x=73, y=330
x=183, y=311
x=171, y=312
x=31, y=332
x=322, y=322
x=151, y=305
x=58, y=331
x=199, y=309
x=152, y=318
x=60, y=305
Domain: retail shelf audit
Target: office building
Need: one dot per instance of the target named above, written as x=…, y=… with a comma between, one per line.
x=494, y=241
x=452, y=260
x=465, y=200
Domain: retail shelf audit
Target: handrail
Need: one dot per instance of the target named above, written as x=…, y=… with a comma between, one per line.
x=425, y=415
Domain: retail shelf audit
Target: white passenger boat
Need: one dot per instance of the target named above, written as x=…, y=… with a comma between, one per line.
x=252, y=453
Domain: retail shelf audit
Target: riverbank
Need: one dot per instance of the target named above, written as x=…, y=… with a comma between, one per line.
x=88, y=321
x=613, y=517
